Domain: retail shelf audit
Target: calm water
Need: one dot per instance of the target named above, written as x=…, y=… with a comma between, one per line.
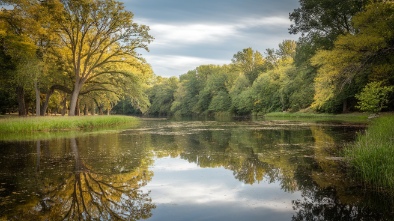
x=196, y=170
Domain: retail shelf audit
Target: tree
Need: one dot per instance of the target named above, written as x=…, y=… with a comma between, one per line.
x=357, y=58
x=249, y=62
x=95, y=34
x=186, y=95
x=31, y=25
x=321, y=21
x=161, y=96
x=286, y=51
x=374, y=97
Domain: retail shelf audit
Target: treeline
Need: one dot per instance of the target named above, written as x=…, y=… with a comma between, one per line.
x=252, y=83
x=79, y=57
x=343, y=62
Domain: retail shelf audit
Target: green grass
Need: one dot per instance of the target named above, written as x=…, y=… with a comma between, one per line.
x=353, y=117
x=45, y=124
x=372, y=155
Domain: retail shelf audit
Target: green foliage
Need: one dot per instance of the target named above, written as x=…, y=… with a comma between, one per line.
x=249, y=62
x=242, y=103
x=374, y=97
x=186, y=96
x=220, y=102
x=161, y=96
x=321, y=21
x=301, y=88
x=355, y=58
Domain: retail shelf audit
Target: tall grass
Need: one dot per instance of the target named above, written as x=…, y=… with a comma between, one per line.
x=372, y=155
x=34, y=124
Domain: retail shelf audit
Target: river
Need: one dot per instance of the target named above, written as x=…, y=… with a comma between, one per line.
x=189, y=170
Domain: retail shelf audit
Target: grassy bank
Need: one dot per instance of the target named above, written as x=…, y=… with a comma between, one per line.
x=35, y=124
x=354, y=117
x=372, y=155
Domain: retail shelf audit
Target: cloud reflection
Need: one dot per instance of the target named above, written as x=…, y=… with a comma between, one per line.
x=180, y=183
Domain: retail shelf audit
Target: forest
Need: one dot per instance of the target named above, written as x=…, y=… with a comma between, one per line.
x=79, y=57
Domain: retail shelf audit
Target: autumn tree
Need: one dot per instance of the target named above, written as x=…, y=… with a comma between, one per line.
x=30, y=25
x=94, y=35
x=358, y=58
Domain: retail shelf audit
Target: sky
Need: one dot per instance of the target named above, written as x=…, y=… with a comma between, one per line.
x=193, y=33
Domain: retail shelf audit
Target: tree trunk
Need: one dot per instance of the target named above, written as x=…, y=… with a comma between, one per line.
x=20, y=91
x=77, y=109
x=100, y=110
x=38, y=99
x=46, y=102
x=74, y=99
x=92, y=110
x=49, y=94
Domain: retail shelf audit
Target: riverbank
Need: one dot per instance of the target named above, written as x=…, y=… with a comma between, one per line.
x=352, y=117
x=36, y=124
x=372, y=154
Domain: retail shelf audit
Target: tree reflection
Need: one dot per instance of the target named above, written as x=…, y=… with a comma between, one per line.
x=88, y=195
x=322, y=204
x=105, y=182
x=303, y=159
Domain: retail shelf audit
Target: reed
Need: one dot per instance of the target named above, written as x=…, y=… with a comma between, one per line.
x=35, y=124
x=372, y=155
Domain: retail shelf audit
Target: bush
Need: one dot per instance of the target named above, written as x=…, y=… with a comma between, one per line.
x=374, y=97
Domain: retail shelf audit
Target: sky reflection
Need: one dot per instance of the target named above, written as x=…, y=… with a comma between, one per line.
x=184, y=191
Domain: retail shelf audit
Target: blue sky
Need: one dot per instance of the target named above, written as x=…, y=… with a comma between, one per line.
x=192, y=33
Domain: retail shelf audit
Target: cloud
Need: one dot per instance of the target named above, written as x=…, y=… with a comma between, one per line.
x=190, y=34
x=175, y=34
x=265, y=21
x=178, y=181
x=169, y=65
x=179, y=47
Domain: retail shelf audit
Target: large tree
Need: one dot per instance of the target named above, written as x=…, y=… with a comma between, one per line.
x=249, y=62
x=95, y=34
x=320, y=21
x=359, y=58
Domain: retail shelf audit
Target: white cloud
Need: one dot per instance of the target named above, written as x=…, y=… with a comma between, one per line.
x=177, y=34
x=167, y=65
x=171, y=35
x=179, y=46
x=264, y=21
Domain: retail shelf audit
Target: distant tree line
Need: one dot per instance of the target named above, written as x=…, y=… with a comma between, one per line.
x=343, y=61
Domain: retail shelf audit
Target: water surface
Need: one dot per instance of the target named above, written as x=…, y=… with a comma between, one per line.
x=189, y=170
